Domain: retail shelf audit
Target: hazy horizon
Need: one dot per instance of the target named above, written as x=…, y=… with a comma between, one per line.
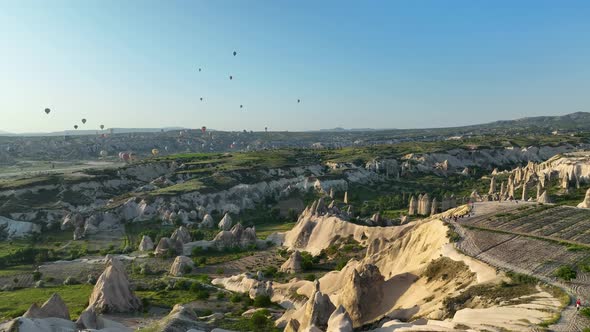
x=381, y=65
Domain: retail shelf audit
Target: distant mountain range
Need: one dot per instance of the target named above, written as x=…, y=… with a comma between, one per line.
x=573, y=121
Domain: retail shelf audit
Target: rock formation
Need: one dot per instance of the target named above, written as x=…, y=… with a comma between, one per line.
x=544, y=198
x=146, y=244
x=539, y=187
x=292, y=326
x=586, y=202
x=340, y=321
x=225, y=223
x=293, y=264
x=413, y=206
x=207, y=222
x=524, y=196
x=332, y=193
x=434, y=207
x=492, y=186
x=181, y=235
x=345, y=200
x=181, y=265
x=238, y=236
x=318, y=309
x=362, y=285
x=54, y=307
x=112, y=292
x=163, y=247
x=424, y=205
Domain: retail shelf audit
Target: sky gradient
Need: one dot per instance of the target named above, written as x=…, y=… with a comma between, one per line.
x=377, y=64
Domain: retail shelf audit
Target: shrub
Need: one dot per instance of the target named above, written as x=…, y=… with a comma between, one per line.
x=219, y=270
x=202, y=295
x=220, y=295
x=309, y=277
x=235, y=298
x=566, y=273
x=259, y=320
x=187, y=269
x=37, y=276
x=262, y=301
x=341, y=264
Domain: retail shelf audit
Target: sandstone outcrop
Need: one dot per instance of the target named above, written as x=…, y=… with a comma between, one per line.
x=226, y=223
x=112, y=292
x=586, y=202
x=146, y=244
x=181, y=265
x=293, y=264
x=340, y=321
x=54, y=307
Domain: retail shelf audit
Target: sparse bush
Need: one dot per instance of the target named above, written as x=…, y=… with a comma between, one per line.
x=566, y=273
x=309, y=277
x=37, y=276
x=262, y=301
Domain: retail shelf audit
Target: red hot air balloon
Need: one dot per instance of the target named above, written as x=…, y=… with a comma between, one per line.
x=203, y=129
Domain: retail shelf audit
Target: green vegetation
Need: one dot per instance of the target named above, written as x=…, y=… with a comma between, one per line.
x=15, y=303
x=565, y=272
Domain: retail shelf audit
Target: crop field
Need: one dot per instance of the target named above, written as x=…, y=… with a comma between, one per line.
x=559, y=223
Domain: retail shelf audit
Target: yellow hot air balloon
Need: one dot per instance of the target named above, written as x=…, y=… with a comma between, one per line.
x=155, y=152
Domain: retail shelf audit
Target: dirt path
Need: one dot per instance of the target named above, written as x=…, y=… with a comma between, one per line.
x=570, y=318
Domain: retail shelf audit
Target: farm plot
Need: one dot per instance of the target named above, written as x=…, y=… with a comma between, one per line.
x=560, y=223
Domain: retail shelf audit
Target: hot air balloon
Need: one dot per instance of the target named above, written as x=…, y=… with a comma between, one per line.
x=47, y=111
x=155, y=152
x=241, y=106
x=203, y=129
x=103, y=153
x=83, y=121
x=101, y=127
x=201, y=98
x=166, y=148
x=265, y=129
x=235, y=53
x=75, y=126
x=199, y=69
x=298, y=101
x=231, y=77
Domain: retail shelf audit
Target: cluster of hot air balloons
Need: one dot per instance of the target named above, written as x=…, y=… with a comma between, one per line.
x=48, y=110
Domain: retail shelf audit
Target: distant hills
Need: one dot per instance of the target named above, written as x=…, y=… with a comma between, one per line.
x=572, y=121
x=578, y=120
x=94, y=132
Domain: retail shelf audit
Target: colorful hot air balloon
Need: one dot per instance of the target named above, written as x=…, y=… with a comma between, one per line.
x=83, y=121
x=75, y=126
x=155, y=152
x=47, y=111
x=103, y=153
x=203, y=129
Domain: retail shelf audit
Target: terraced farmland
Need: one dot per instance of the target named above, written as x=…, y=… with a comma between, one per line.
x=560, y=223
x=530, y=240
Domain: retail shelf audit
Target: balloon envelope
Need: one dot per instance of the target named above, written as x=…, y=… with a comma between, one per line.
x=83, y=120
x=101, y=127
x=155, y=152
x=47, y=111
x=75, y=126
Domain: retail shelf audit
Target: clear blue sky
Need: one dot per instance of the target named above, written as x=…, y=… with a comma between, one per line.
x=380, y=64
